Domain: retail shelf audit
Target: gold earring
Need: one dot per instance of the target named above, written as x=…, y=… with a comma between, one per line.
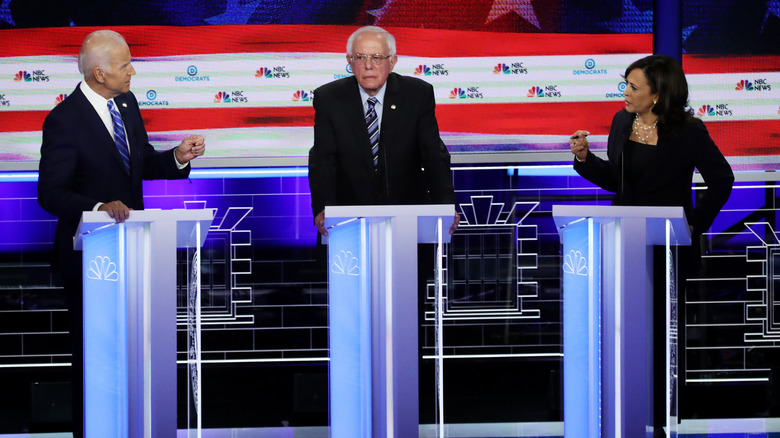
x=655, y=101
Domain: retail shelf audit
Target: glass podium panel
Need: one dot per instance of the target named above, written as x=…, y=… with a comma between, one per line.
x=194, y=375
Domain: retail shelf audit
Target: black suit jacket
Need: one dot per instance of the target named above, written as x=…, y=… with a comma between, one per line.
x=668, y=179
x=341, y=170
x=80, y=164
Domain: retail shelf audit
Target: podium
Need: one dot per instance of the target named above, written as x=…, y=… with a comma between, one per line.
x=373, y=315
x=608, y=316
x=130, y=319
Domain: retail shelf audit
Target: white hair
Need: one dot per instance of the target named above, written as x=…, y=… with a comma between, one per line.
x=389, y=38
x=95, y=51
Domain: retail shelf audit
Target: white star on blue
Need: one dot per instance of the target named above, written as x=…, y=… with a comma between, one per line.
x=773, y=8
x=686, y=32
x=380, y=13
x=235, y=13
x=632, y=21
x=5, y=12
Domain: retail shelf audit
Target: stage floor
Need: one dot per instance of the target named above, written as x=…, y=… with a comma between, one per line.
x=716, y=428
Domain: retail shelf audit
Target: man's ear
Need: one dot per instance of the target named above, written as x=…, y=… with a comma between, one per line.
x=99, y=75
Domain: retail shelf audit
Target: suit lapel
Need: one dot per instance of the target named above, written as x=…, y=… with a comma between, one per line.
x=95, y=125
x=390, y=114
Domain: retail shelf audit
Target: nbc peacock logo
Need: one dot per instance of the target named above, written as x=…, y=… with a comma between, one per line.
x=58, y=100
x=102, y=268
x=31, y=76
x=744, y=85
x=433, y=70
x=501, y=68
x=222, y=96
x=758, y=84
x=275, y=72
x=22, y=76
x=302, y=96
x=422, y=70
x=705, y=110
x=535, y=92
x=511, y=68
x=263, y=72
x=457, y=93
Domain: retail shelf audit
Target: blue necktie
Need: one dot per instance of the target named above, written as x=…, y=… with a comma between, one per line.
x=119, y=135
x=372, y=122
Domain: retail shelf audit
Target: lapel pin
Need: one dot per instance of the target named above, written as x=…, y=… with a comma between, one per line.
x=124, y=105
x=392, y=106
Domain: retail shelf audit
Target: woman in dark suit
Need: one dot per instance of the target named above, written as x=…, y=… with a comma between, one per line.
x=655, y=144
x=653, y=147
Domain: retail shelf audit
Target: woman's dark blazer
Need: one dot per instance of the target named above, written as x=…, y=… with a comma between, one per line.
x=668, y=179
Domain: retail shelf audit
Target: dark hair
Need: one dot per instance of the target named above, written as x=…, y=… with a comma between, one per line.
x=666, y=78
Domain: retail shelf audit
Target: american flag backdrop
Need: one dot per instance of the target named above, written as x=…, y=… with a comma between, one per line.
x=509, y=75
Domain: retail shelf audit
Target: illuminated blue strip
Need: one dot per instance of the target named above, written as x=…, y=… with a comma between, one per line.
x=295, y=172
x=275, y=172
x=581, y=330
x=18, y=176
x=551, y=170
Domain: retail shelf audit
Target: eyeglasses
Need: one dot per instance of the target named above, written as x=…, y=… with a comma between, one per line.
x=376, y=59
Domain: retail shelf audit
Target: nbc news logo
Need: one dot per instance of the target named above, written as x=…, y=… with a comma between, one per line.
x=467, y=93
x=34, y=76
x=303, y=96
x=230, y=97
x=759, y=84
x=546, y=91
x=433, y=70
x=719, y=110
x=515, y=68
x=272, y=72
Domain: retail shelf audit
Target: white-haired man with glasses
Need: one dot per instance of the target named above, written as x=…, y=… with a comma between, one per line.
x=374, y=133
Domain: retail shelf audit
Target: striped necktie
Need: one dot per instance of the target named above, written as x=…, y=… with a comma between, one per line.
x=119, y=135
x=372, y=122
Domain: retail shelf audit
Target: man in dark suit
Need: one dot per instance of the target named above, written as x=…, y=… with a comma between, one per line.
x=94, y=156
x=374, y=132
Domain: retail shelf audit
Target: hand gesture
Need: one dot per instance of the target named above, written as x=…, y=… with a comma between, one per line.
x=579, y=145
x=191, y=147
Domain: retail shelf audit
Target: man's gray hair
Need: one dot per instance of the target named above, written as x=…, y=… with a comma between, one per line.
x=389, y=38
x=95, y=51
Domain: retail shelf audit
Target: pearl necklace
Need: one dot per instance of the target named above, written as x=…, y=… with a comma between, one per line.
x=648, y=130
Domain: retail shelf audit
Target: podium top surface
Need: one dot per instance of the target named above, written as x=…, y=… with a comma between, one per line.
x=426, y=214
x=185, y=220
x=338, y=213
x=566, y=215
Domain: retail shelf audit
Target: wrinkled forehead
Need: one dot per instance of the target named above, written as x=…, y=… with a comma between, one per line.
x=370, y=43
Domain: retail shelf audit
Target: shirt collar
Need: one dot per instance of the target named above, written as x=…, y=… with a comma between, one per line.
x=99, y=102
x=380, y=96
